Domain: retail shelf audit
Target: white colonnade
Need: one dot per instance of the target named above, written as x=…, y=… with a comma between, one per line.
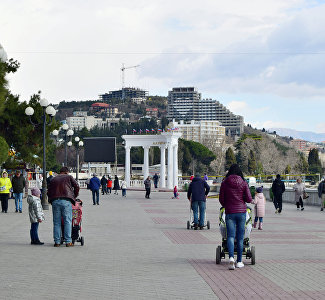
x=165, y=140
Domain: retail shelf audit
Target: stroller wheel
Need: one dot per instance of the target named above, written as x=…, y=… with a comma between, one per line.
x=82, y=241
x=208, y=224
x=218, y=255
x=253, y=255
x=188, y=225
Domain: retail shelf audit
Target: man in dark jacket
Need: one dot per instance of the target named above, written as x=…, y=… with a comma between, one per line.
x=18, y=186
x=147, y=185
x=94, y=185
x=62, y=193
x=155, y=180
x=321, y=193
x=278, y=189
x=103, y=183
x=196, y=194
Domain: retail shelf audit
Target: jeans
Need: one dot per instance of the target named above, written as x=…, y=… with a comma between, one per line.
x=196, y=207
x=256, y=219
x=235, y=224
x=34, y=232
x=123, y=192
x=95, y=196
x=18, y=201
x=62, y=211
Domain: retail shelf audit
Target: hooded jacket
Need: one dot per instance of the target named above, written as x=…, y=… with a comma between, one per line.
x=259, y=202
x=278, y=187
x=5, y=184
x=234, y=192
x=35, y=209
x=198, y=190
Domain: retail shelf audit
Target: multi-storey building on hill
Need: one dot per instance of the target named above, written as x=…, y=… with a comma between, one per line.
x=185, y=103
x=125, y=93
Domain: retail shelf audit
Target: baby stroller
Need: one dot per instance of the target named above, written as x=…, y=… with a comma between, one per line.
x=190, y=223
x=222, y=250
x=76, y=223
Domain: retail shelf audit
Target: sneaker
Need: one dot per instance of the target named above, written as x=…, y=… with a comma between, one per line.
x=239, y=264
x=69, y=245
x=57, y=245
x=302, y=208
x=297, y=208
x=277, y=211
x=231, y=263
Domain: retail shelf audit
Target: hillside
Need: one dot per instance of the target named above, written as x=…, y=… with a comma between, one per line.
x=272, y=155
x=304, y=135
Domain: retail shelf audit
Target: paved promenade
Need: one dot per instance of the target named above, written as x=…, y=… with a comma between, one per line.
x=137, y=248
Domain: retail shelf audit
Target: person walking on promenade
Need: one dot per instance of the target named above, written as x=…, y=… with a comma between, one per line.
x=147, y=185
x=278, y=189
x=116, y=186
x=62, y=193
x=18, y=186
x=36, y=215
x=48, y=179
x=155, y=180
x=299, y=189
x=259, y=209
x=176, y=194
x=197, y=193
x=123, y=188
x=103, y=183
x=94, y=185
x=234, y=193
x=321, y=193
x=109, y=184
x=5, y=186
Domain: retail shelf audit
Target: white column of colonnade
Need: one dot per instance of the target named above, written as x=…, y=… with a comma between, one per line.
x=162, y=167
x=170, y=176
x=127, y=166
x=146, y=162
x=175, y=165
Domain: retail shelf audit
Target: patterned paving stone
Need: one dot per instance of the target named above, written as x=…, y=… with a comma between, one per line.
x=166, y=220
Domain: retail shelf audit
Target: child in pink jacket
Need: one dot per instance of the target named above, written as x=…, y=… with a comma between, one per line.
x=259, y=202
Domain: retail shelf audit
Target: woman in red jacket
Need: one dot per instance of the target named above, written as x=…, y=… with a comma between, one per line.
x=234, y=193
x=109, y=184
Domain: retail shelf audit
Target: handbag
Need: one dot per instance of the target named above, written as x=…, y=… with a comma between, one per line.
x=305, y=195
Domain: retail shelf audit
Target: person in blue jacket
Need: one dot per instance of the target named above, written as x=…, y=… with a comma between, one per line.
x=196, y=194
x=94, y=186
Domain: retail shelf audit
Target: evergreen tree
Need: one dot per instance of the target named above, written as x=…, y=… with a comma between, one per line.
x=251, y=163
x=314, y=162
x=230, y=158
x=287, y=169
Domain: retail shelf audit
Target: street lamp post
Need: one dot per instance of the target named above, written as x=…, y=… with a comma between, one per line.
x=47, y=110
x=79, y=144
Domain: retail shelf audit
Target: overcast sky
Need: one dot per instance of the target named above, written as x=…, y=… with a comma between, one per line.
x=263, y=59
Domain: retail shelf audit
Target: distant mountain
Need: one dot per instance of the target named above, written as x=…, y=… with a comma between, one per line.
x=304, y=135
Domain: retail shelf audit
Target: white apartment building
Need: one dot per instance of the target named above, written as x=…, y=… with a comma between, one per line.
x=77, y=123
x=200, y=131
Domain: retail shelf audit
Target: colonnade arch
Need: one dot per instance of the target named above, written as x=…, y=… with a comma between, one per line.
x=165, y=140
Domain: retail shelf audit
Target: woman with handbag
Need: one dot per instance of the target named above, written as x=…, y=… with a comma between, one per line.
x=299, y=189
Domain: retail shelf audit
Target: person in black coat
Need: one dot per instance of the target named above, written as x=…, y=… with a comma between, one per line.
x=103, y=183
x=116, y=186
x=278, y=189
x=196, y=194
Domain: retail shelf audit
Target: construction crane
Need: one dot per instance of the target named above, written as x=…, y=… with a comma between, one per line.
x=125, y=68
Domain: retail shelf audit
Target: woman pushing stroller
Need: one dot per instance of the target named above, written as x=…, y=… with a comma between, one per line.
x=234, y=193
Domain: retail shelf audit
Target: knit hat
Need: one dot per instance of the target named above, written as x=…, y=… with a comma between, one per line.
x=259, y=189
x=36, y=192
